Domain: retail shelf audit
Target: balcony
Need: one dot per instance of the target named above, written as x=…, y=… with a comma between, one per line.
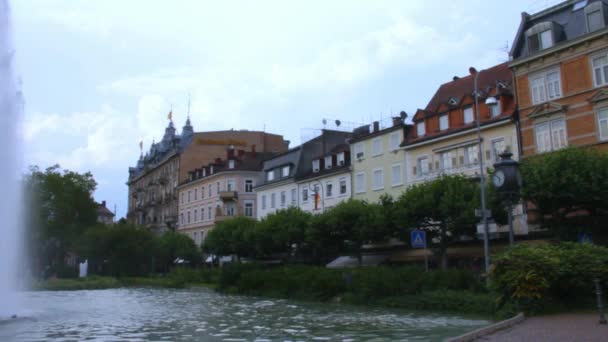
x=228, y=195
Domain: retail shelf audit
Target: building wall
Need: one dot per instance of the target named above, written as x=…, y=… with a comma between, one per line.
x=264, y=207
x=326, y=202
x=577, y=88
x=369, y=163
x=194, y=197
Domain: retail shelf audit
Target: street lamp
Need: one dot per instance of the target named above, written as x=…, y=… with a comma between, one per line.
x=507, y=181
x=490, y=101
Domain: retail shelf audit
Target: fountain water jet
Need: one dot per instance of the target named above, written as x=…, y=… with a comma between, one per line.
x=10, y=202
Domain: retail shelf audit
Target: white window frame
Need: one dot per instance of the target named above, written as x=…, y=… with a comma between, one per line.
x=602, y=117
x=230, y=185
x=549, y=135
x=340, y=159
x=210, y=190
x=469, y=115
x=420, y=129
x=328, y=162
x=340, y=181
x=495, y=110
x=423, y=166
x=283, y=198
x=467, y=155
x=442, y=163
x=294, y=196
x=270, y=175
x=444, y=122
x=602, y=69
x=249, y=185
x=263, y=200
x=285, y=171
x=316, y=165
x=495, y=153
x=545, y=91
x=375, y=186
x=305, y=196
x=231, y=164
x=399, y=182
x=360, y=183
x=394, y=140
x=329, y=189
x=202, y=192
x=248, y=206
x=359, y=149
x=273, y=200
x=377, y=147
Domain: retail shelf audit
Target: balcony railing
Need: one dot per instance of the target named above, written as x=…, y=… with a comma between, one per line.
x=228, y=195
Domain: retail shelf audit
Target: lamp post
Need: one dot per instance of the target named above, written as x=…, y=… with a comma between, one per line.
x=484, y=217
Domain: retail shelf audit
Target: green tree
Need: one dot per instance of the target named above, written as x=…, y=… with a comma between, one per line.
x=60, y=208
x=568, y=189
x=282, y=232
x=444, y=208
x=233, y=236
x=173, y=245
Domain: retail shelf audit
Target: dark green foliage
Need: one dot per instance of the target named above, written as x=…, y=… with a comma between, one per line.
x=566, y=182
x=282, y=232
x=446, y=300
x=536, y=278
x=172, y=245
x=232, y=236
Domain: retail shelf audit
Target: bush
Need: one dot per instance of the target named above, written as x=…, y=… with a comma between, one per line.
x=538, y=278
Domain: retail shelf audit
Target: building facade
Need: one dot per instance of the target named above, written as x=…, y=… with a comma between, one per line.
x=104, y=215
x=217, y=191
x=560, y=63
x=153, y=198
x=280, y=188
x=377, y=161
x=444, y=140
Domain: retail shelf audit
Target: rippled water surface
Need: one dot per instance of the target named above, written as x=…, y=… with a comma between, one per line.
x=203, y=315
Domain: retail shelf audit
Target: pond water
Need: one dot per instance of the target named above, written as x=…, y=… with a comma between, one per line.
x=204, y=315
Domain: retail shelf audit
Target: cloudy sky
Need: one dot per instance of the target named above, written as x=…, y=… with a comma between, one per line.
x=101, y=75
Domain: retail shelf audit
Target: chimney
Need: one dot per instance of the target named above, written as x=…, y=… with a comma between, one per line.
x=455, y=78
x=103, y=204
x=396, y=121
x=376, y=126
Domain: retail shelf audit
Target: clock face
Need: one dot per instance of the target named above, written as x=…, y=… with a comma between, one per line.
x=498, y=179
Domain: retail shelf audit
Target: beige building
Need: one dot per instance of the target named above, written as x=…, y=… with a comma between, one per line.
x=444, y=139
x=377, y=161
x=152, y=182
x=217, y=191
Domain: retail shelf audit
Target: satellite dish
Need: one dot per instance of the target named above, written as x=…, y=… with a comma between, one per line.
x=338, y=122
x=403, y=115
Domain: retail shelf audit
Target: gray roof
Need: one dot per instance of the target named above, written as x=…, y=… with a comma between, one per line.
x=570, y=24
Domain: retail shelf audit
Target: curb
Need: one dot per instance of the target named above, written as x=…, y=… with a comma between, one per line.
x=475, y=334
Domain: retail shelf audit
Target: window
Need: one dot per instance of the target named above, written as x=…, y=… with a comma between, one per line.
x=342, y=186
x=377, y=147
x=471, y=155
x=285, y=171
x=211, y=169
x=181, y=218
x=305, y=195
x=550, y=135
x=328, y=162
x=446, y=161
x=230, y=185
x=210, y=190
x=423, y=166
x=468, y=115
x=316, y=165
x=545, y=86
x=420, y=129
x=595, y=20
x=294, y=195
x=249, y=185
x=249, y=209
x=540, y=41
x=273, y=201
x=600, y=70
x=195, y=215
x=230, y=209
x=189, y=193
x=219, y=187
x=395, y=140
x=182, y=200
x=270, y=175
x=443, y=122
x=495, y=109
x=231, y=164
x=283, y=198
x=359, y=153
x=209, y=213
x=396, y=178
x=498, y=147
x=202, y=214
x=340, y=159
x=188, y=216
x=329, y=187
x=378, y=179
x=602, y=123
x=360, y=183
x=195, y=194
x=202, y=192
x=263, y=201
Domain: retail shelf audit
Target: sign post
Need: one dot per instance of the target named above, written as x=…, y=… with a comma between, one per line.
x=418, y=240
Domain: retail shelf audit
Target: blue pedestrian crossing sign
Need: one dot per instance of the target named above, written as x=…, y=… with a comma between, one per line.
x=418, y=238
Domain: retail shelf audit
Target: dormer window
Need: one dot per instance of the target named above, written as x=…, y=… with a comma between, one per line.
x=211, y=169
x=541, y=36
x=316, y=165
x=285, y=171
x=359, y=153
x=420, y=129
x=204, y=172
x=231, y=164
x=452, y=101
x=468, y=115
x=340, y=159
x=328, y=162
x=443, y=122
x=594, y=16
x=269, y=175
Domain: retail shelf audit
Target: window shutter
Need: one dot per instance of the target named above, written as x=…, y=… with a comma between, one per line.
x=414, y=169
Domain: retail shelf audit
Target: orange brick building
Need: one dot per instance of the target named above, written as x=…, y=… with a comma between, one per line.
x=560, y=64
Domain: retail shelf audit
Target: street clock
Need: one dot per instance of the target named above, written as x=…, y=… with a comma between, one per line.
x=506, y=177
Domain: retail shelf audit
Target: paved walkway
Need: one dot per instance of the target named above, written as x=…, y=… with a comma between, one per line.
x=579, y=327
